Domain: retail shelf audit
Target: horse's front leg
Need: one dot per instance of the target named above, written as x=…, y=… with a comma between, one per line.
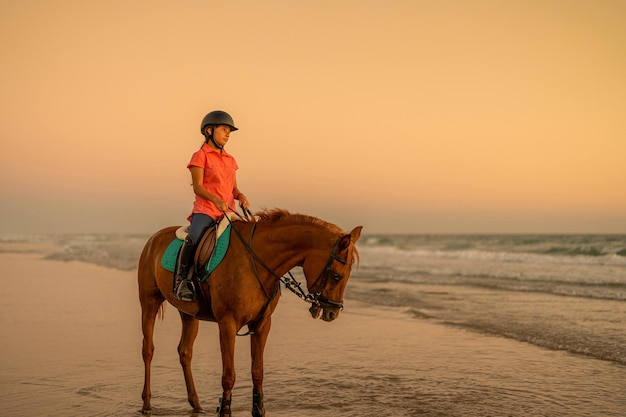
x=228, y=332
x=257, y=347
x=185, y=353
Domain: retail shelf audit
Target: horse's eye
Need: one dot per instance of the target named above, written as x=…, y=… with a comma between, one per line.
x=336, y=276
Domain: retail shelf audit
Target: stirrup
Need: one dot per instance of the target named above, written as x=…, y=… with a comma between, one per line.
x=220, y=409
x=184, y=289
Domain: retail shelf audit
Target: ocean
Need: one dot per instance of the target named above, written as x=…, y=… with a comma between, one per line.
x=562, y=292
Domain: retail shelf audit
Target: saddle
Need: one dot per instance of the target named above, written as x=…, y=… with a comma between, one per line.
x=205, y=248
x=209, y=251
x=208, y=254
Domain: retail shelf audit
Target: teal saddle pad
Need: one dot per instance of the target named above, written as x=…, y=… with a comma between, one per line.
x=221, y=246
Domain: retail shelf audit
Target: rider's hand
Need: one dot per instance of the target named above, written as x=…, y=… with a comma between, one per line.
x=243, y=201
x=221, y=205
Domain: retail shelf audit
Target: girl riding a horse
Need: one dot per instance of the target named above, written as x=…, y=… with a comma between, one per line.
x=213, y=176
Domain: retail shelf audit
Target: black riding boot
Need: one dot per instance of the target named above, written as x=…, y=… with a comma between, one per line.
x=183, y=284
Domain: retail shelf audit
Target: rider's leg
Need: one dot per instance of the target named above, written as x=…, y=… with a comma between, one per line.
x=183, y=284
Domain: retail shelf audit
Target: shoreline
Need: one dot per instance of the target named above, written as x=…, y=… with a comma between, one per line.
x=48, y=252
x=45, y=251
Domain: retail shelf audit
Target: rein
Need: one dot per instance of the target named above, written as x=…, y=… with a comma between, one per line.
x=293, y=285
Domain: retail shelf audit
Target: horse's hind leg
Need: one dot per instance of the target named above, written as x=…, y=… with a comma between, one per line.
x=185, y=352
x=150, y=305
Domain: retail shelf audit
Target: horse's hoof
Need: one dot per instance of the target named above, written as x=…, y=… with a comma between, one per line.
x=197, y=408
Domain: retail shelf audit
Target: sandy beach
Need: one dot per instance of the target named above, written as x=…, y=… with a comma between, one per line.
x=71, y=343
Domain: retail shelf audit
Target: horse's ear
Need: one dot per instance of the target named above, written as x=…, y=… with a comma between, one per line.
x=345, y=240
x=356, y=233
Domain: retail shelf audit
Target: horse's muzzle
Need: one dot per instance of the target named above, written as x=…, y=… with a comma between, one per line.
x=325, y=313
x=315, y=311
x=330, y=314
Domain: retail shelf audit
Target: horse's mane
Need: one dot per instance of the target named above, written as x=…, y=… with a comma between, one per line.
x=279, y=215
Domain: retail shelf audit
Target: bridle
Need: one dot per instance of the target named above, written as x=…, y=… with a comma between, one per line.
x=316, y=299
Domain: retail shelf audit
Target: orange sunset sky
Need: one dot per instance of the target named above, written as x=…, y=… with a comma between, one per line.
x=435, y=116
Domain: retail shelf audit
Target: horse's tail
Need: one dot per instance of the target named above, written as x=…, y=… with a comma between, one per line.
x=147, y=269
x=161, y=312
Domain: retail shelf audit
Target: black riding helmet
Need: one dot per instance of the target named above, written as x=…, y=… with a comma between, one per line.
x=215, y=118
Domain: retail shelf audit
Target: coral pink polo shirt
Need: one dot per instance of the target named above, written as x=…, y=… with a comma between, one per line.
x=219, y=178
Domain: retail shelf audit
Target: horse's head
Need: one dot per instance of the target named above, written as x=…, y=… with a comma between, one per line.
x=327, y=276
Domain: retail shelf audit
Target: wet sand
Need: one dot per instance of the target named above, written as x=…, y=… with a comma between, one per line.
x=71, y=346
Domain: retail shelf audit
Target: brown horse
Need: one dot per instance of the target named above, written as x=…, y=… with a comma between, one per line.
x=242, y=290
